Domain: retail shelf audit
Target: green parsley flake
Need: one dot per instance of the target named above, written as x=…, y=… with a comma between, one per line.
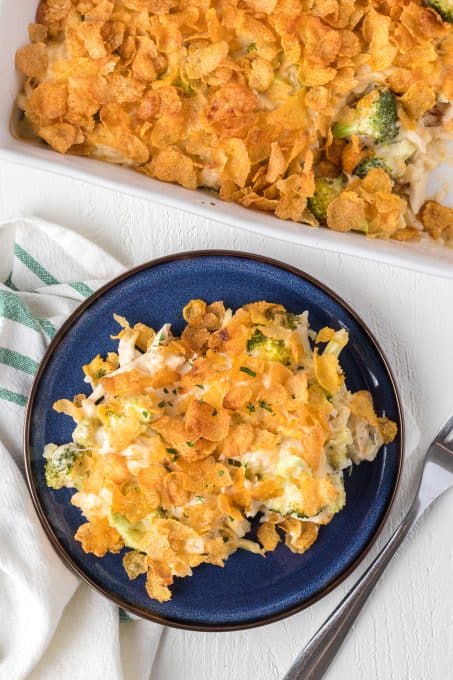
x=265, y=406
x=233, y=462
x=249, y=371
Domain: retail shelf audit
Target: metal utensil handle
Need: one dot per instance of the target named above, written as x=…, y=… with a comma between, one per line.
x=318, y=654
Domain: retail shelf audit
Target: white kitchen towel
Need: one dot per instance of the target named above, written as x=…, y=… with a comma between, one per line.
x=51, y=626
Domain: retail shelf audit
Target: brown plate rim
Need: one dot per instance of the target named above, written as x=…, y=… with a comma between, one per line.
x=139, y=611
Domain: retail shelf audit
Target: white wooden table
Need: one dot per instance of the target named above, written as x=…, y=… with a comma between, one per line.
x=406, y=630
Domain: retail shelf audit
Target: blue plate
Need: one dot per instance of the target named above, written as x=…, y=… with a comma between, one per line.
x=250, y=590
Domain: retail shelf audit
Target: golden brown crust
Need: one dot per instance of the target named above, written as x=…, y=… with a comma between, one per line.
x=240, y=98
x=437, y=219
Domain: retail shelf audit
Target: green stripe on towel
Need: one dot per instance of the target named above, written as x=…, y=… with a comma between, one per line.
x=34, y=266
x=47, y=327
x=82, y=288
x=14, y=397
x=17, y=360
x=12, y=308
x=9, y=282
x=45, y=276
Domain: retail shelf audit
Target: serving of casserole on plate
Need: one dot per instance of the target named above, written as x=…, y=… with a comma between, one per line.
x=225, y=441
x=183, y=440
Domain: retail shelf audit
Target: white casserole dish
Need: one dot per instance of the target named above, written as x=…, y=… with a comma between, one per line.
x=425, y=256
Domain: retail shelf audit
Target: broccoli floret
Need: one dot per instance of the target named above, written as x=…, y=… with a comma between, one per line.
x=290, y=320
x=443, y=7
x=368, y=164
x=326, y=190
x=375, y=115
x=62, y=465
x=131, y=532
x=268, y=348
x=390, y=157
x=285, y=319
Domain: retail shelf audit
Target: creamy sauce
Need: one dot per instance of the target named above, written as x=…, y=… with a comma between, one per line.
x=209, y=177
x=55, y=52
x=111, y=155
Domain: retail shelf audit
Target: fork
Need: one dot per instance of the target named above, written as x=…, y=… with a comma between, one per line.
x=436, y=477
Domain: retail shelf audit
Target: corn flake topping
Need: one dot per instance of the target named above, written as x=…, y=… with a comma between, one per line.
x=280, y=105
